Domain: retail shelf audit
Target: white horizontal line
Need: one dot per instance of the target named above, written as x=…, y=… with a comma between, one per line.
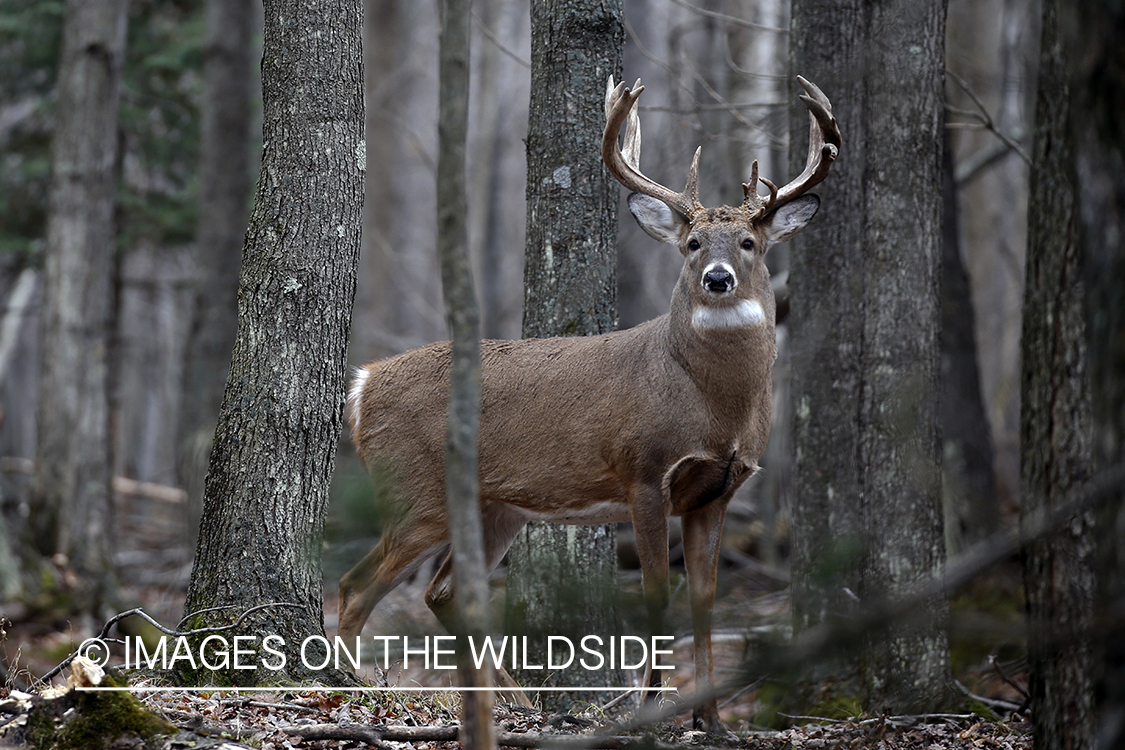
x=304, y=689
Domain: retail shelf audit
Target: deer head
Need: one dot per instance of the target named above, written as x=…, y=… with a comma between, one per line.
x=724, y=284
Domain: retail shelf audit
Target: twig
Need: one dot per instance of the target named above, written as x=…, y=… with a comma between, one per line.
x=496, y=41
x=974, y=164
x=233, y=625
x=729, y=19
x=1004, y=676
x=11, y=680
x=990, y=703
x=817, y=719
x=139, y=612
x=741, y=692
x=984, y=118
x=617, y=700
x=721, y=102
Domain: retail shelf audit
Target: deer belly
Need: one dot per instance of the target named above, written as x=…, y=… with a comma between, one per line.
x=603, y=511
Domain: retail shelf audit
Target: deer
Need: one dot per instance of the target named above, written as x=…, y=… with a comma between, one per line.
x=668, y=418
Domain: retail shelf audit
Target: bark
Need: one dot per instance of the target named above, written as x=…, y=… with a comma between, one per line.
x=561, y=579
x=1055, y=419
x=1099, y=131
x=864, y=322
x=267, y=488
x=72, y=514
x=224, y=197
x=462, y=487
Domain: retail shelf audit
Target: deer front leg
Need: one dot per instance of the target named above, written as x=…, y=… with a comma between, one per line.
x=650, y=527
x=703, y=529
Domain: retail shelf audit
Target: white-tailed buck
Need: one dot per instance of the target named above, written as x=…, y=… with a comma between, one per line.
x=665, y=419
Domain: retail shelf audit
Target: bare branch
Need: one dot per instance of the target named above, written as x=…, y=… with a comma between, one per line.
x=983, y=116
x=729, y=19
x=497, y=43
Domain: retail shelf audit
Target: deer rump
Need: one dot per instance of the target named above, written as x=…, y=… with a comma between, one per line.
x=559, y=441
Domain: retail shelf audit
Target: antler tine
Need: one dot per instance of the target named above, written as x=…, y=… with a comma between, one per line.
x=824, y=146
x=631, y=146
x=753, y=202
x=691, y=188
x=620, y=105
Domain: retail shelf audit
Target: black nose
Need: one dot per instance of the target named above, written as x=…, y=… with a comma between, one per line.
x=718, y=281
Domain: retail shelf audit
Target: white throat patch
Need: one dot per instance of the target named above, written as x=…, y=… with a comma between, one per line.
x=745, y=314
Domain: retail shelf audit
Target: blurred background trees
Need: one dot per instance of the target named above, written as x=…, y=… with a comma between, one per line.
x=718, y=73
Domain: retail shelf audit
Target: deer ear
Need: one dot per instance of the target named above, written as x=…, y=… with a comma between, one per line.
x=791, y=218
x=657, y=218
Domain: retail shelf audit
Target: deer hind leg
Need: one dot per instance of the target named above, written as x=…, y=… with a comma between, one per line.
x=399, y=553
x=500, y=524
x=650, y=528
x=702, y=529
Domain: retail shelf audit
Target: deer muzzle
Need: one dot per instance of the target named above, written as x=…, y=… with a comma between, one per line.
x=719, y=278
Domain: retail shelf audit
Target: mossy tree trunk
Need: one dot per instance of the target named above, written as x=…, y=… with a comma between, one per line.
x=266, y=493
x=562, y=580
x=865, y=317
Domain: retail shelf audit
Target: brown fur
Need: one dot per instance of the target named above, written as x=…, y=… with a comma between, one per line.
x=665, y=419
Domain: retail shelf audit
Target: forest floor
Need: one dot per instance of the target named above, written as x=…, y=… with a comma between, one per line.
x=752, y=608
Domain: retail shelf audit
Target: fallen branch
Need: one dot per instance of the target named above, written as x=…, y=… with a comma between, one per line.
x=378, y=736
x=125, y=486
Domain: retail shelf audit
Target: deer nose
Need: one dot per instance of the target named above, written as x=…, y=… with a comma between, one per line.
x=718, y=280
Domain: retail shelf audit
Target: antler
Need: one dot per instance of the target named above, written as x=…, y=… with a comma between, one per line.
x=621, y=109
x=824, y=146
x=624, y=163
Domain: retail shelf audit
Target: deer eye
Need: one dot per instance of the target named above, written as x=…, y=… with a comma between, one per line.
x=748, y=244
x=693, y=244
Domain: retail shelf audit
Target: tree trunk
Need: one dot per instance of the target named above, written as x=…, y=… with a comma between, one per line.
x=224, y=177
x=462, y=486
x=1055, y=420
x=267, y=489
x=561, y=580
x=864, y=319
x=1099, y=132
x=72, y=512
x=970, y=507
x=993, y=46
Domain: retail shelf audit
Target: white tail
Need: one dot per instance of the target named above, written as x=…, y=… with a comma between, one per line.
x=665, y=419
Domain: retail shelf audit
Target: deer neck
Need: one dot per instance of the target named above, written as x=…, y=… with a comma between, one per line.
x=727, y=349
